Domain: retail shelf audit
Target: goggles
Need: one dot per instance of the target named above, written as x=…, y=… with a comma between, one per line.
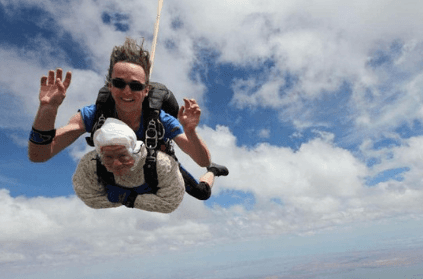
x=121, y=154
x=124, y=159
x=134, y=85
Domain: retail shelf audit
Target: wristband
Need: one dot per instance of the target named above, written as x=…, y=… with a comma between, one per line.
x=41, y=137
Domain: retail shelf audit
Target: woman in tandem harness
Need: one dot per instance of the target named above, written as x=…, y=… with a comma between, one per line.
x=123, y=157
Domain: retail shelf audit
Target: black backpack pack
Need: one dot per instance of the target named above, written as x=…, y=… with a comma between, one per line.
x=159, y=97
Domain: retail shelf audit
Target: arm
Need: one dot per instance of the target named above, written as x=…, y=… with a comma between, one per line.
x=192, y=145
x=86, y=185
x=52, y=94
x=189, y=141
x=171, y=187
x=65, y=136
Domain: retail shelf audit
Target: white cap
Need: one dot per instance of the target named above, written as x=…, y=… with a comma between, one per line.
x=116, y=132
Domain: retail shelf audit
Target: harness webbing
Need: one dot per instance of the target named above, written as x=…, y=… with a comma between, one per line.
x=118, y=193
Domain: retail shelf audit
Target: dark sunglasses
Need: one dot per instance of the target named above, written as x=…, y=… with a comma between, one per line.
x=134, y=85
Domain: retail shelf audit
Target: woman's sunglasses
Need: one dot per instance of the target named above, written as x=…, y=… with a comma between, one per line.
x=134, y=85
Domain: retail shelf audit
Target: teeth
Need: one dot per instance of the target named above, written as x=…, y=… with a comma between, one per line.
x=127, y=100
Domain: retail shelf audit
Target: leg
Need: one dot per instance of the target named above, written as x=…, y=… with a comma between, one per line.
x=202, y=190
x=208, y=178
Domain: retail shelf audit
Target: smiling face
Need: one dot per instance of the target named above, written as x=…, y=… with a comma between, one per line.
x=128, y=101
x=117, y=159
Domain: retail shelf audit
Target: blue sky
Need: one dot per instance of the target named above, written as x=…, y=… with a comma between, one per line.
x=315, y=107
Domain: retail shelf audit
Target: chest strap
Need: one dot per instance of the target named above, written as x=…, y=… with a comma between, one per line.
x=117, y=193
x=124, y=195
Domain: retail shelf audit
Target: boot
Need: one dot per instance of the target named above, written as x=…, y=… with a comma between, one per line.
x=218, y=170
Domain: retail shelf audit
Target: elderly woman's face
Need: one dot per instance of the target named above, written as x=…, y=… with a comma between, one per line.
x=117, y=159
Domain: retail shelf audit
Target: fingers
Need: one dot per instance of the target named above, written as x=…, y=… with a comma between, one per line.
x=190, y=109
x=59, y=73
x=68, y=79
x=43, y=81
x=50, y=80
x=191, y=105
x=181, y=112
x=50, y=77
x=190, y=102
x=186, y=102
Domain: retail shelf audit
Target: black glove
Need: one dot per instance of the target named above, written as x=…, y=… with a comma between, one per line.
x=125, y=196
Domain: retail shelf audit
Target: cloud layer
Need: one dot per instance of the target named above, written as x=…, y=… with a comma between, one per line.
x=318, y=187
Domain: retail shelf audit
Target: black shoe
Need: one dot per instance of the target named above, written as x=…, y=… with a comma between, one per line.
x=218, y=170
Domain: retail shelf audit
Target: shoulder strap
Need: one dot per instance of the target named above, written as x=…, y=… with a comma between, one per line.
x=159, y=97
x=105, y=106
x=103, y=176
x=153, y=133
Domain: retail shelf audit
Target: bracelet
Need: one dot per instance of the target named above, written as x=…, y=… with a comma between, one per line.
x=41, y=137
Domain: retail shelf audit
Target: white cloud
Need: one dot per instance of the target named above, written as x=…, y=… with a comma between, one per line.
x=19, y=141
x=264, y=133
x=319, y=180
x=68, y=228
x=324, y=45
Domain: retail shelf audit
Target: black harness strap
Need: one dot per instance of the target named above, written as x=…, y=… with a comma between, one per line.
x=106, y=178
x=154, y=130
x=161, y=98
x=105, y=108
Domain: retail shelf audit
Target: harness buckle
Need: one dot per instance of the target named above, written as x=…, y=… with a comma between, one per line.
x=99, y=123
x=160, y=130
x=151, y=138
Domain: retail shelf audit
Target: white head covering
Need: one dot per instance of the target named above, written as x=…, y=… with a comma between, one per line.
x=116, y=132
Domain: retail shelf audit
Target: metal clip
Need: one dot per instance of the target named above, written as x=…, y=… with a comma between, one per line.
x=151, y=135
x=100, y=122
